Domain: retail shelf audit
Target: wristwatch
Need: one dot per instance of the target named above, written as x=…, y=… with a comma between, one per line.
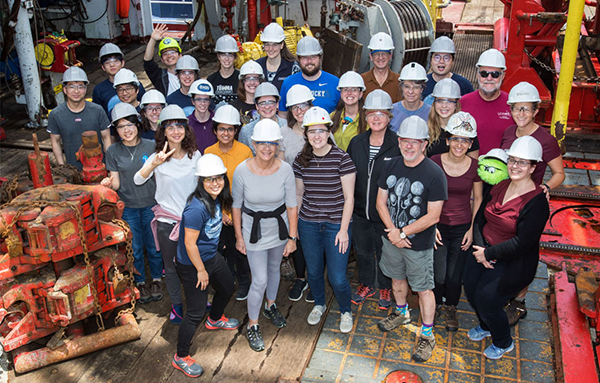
x=402, y=234
x=293, y=238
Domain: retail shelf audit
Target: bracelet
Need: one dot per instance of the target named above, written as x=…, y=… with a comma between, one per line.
x=546, y=185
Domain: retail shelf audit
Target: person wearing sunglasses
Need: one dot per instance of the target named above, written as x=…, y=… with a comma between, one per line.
x=225, y=79
x=164, y=79
x=151, y=105
x=347, y=118
x=488, y=104
x=506, y=246
x=279, y=63
x=441, y=56
x=381, y=52
x=187, y=71
x=251, y=76
x=201, y=93
x=412, y=82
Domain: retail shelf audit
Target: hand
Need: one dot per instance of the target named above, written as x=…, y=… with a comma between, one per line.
x=467, y=240
x=479, y=254
x=393, y=235
x=342, y=241
x=546, y=191
x=162, y=156
x=438, y=239
x=240, y=245
x=227, y=220
x=202, y=279
x=487, y=265
x=159, y=32
x=107, y=182
x=289, y=248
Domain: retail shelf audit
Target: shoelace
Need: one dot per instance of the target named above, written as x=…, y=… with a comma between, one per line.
x=188, y=360
x=362, y=290
x=385, y=294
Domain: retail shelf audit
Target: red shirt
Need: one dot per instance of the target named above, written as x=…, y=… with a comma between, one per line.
x=493, y=117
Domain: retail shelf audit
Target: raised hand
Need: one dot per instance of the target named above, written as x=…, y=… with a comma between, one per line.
x=159, y=32
x=162, y=156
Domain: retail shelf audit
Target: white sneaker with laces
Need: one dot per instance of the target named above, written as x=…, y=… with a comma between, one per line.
x=315, y=315
x=346, y=322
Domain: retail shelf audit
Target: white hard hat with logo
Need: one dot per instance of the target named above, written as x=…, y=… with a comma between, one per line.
x=201, y=87
x=523, y=92
x=172, y=112
x=73, y=74
x=499, y=154
x=378, y=100
x=266, y=130
x=308, y=46
x=298, y=94
x=443, y=44
x=413, y=71
x=125, y=76
x=446, y=88
x=186, y=62
x=153, y=96
x=226, y=44
x=122, y=110
x=227, y=114
x=210, y=165
x=316, y=116
x=462, y=124
x=351, y=79
x=266, y=89
x=381, y=42
x=492, y=58
x=273, y=33
x=527, y=148
x=414, y=127
x=251, y=67
x=109, y=49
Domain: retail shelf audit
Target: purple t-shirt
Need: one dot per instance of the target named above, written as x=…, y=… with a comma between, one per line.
x=205, y=136
x=493, y=117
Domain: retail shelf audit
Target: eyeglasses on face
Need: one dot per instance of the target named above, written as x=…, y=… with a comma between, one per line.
x=485, y=74
x=439, y=58
x=376, y=114
x=201, y=100
x=214, y=179
x=266, y=143
x=76, y=87
x=125, y=89
x=410, y=142
x=314, y=132
x=267, y=103
x=175, y=126
x=520, y=163
x=128, y=126
x=300, y=107
x=252, y=79
x=170, y=52
x=225, y=130
x=153, y=109
x=187, y=72
x=443, y=101
x=350, y=90
x=522, y=109
x=460, y=140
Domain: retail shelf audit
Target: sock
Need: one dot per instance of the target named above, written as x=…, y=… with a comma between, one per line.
x=140, y=283
x=402, y=309
x=156, y=279
x=426, y=329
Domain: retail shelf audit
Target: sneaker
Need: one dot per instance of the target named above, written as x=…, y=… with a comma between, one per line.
x=385, y=299
x=156, y=291
x=315, y=315
x=346, y=322
x=494, y=352
x=515, y=310
x=176, y=316
x=362, y=293
x=242, y=293
x=424, y=348
x=287, y=270
x=275, y=316
x=223, y=323
x=188, y=366
x=394, y=320
x=309, y=297
x=477, y=334
x=451, y=318
x=297, y=290
x=144, y=293
x=255, y=339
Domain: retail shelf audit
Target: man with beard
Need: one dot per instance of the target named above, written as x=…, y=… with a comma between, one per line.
x=488, y=104
x=381, y=48
x=322, y=84
x=441, y=56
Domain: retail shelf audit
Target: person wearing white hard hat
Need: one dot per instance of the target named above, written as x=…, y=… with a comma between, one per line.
x=127, y=88
x=164, y=79
x=347, y=118
x=412, y=82
x=412, y=191
x=225, y=80
x=446, y=102
x=381, y=50
x=68, y=120
x=524, y=101
x=488, y=104
x=187, y=71
x=279, y=63
x=123, y=160
x=201, y=93
x=251, y=76
x=199, y=262
x=370, y=151
x=172, y=166
x=265, y=217
x=441, y=56
x=507, y=231
x=152, y=104
x=325, y=177
x=454, y=232
x=321, y=84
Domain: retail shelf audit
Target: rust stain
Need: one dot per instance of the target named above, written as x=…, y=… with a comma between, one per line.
x=66, y=230
x=336, y=344
x=371, y=346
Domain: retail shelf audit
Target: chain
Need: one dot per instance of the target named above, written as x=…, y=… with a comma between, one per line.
x=9, y=189
x=129, y=253
x=553, y=71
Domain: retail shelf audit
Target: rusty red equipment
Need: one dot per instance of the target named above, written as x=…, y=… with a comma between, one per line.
x=39, y=166
x=90, y=155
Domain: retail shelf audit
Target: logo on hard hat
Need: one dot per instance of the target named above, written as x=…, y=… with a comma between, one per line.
x=203, y=87
x=167, y=41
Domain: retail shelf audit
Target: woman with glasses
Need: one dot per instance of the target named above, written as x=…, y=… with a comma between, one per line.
x=446, y=102
x=123, y=160
x=347, y=119
x=279, y=63
x=225, y=80
x=200, y=121
x=152, y=104
x=412, y=82
x=455, y=228
x=265, y=219
x=251, y=76
x=507, y=231
x=325, y=177
x=187, y=70
x=172, y=167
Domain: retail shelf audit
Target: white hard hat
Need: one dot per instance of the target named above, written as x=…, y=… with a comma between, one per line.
x=523, y=92
x=497, y=153
x=378, y=100
x=226, y=44
x=298, y=94
x=414, y=127
x=443, y=44
x=172, y=112
x=266, y=130
x=186, y=62
x=227, y=114
x=251, y=67
x=527, y=148
x=446, y=88
x=413, y=71
x=201, y=87
x=109, y=49
x=381, y=42
x=266, y=89
x=316, y=116
x=492, y=58
x=122, y=110
x=308, y=46
x=125, y=76
x=351, y=79
x=74, y=73
x=210, y=165
x=462, y=124
x=153, y=97
x=273, y=33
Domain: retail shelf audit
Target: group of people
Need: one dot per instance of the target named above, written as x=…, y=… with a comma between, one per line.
x=224, y=177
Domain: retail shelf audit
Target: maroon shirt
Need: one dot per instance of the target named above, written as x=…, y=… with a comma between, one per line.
x=550, y=149
x=502, y=219
x=205, y=136
x=457, y=209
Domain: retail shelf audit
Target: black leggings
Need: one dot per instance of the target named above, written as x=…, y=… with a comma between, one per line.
x=237, y=262
x=449, y=263
x=299, y=262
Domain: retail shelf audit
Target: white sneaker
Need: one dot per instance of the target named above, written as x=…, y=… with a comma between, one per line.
x=346, y=322
x=315, y=315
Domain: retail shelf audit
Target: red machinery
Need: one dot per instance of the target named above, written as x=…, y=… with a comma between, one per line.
x=90, y=155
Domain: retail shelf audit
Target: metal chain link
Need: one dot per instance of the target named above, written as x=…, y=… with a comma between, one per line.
x=9, y=189
x=129, y=253
x=553, y=71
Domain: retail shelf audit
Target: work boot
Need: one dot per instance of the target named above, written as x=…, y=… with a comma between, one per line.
x=255, y=339
x=275, y=316
x=362, y=292
x=287, y=270
x=424, y=348
x=451, y=318
x=144, y=293
x=515, y=310
x=156, y=291
x=188, y=366
x=394, y=320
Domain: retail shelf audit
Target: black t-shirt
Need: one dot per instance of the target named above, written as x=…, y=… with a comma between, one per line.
x=225, y=88
x=409, y=190
x=247, y=111
x=440, y=146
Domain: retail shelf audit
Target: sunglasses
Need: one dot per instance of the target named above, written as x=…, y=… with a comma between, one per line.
x=485, y=74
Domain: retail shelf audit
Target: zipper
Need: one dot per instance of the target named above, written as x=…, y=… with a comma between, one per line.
x=370, y=171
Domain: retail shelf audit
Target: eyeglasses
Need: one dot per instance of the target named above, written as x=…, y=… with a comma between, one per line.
x=519, y=163
x=410, y=141
x=376, y=113
x=226, y=54
x=225, y=130
x=252, y=79
x=270, y=45
x=523, y=109
x=266, y=103
x=171, y=52
x=314, y=132
x=175, y=126
x=201, y=100
x=300, y=107
x=111, y=60
x=76, y=87
x=350, y=90
x=459, y=140
x=129, y=126
x=266, y=143
x=309, y=58
x=153, y=109
x=126, y=89
x=438, y=58
x=215, y=179
x=485, y=74
x=411, y=87
x=443, y=101
x=187, y=72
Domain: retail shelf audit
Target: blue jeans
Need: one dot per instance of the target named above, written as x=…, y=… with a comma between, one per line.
x=139, y=222
x=318, y=243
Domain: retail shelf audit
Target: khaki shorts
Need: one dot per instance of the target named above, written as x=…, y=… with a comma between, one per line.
x=415, y=266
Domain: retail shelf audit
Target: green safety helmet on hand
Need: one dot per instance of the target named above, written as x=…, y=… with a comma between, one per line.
x=166, y=43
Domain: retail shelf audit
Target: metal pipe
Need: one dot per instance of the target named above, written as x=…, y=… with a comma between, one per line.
x=126, y=331
x=252, y=23
x=567, y=70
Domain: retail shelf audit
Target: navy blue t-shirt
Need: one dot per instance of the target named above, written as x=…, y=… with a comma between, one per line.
x=465, y=85
x=104, y=91
x=180, y=99
x=195, y=216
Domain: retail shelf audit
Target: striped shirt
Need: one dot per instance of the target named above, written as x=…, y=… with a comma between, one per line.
x=323, y=199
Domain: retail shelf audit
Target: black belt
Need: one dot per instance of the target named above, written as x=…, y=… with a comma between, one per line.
x=255, y=232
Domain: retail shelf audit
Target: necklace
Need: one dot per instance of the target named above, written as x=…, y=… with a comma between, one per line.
x=317, y=161
x=132, y=154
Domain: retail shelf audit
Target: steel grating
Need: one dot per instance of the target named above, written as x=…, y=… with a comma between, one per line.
x=468, y=47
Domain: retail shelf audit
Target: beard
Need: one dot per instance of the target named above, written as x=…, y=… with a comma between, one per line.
x=311, y=72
